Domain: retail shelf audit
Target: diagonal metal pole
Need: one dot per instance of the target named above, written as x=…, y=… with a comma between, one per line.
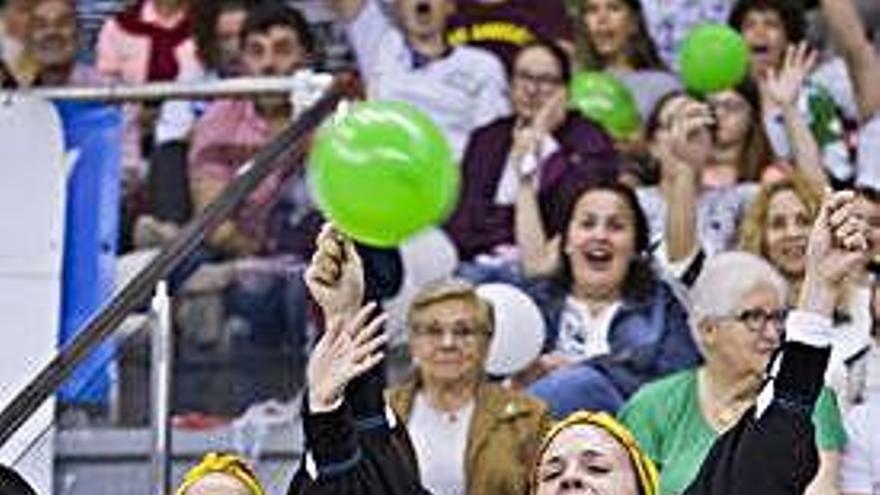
x=271, y=158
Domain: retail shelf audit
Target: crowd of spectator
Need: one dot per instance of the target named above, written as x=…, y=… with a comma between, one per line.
x=663, y=262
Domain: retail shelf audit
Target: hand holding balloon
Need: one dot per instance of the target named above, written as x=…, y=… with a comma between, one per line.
x=382, y=171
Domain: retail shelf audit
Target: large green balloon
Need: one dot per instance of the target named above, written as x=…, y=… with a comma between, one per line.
x=601, y=97
x=713, y=57
x=382, y=171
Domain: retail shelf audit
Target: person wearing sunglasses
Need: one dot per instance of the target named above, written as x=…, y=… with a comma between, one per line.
x=739, y=314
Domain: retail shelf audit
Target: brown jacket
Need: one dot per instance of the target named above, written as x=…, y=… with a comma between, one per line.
x=505, y=432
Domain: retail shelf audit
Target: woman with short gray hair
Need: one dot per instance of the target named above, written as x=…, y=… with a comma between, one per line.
x=738, y=314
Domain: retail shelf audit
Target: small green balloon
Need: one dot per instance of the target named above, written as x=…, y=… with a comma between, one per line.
x=382, y=171
x=603, y=98
x=713, y=57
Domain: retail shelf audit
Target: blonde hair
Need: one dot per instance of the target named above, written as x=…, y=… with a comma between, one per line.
x=452, y=289
x=753, y=230
x=647, y=476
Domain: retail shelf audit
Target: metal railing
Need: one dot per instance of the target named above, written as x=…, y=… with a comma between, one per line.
x=289, y=147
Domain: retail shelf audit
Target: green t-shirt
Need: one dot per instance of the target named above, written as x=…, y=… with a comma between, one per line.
x=666, y=419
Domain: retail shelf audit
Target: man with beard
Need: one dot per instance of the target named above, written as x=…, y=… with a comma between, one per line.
x=460, y=88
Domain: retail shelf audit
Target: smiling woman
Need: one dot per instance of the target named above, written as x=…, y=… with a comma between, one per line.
x=613, y=323
x=469, y=435
x=614, y=37
x=738, y=304
x=777, y=227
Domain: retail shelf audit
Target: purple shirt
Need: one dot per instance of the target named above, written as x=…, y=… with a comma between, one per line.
x=503, y=28
x=479, y=224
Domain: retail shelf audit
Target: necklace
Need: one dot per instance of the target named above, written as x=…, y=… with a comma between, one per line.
x=719, y=413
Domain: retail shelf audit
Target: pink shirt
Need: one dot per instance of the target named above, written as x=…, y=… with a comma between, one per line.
x=228, y=135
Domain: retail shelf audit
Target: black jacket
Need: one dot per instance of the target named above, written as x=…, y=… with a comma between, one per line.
x=772, y=452
x=358, y=449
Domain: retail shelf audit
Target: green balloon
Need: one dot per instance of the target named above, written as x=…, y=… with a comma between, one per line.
x=382, y=171
x=601, y=97
x=713, y=57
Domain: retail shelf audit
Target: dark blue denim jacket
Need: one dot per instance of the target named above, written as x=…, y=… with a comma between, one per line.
x=649, y=338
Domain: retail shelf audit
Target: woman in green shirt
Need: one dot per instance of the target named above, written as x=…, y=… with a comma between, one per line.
x=738, y=319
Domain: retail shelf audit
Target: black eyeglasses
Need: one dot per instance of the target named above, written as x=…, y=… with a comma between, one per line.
x=756, y=319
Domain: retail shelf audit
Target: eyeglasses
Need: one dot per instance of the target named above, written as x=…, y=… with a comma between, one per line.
x=465, y=334
x=542, y=80
x=756, y=319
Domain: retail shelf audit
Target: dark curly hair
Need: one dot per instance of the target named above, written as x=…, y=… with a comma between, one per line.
x=640, y=280
x=791, y=12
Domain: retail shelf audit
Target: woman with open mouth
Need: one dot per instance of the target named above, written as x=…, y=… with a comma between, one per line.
x=616, y=39
x=613, y=323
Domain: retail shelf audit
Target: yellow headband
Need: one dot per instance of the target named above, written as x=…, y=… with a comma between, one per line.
x=222, y=463
x=646, y=472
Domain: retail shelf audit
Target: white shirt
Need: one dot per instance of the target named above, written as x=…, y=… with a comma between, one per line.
x=850, y=339
x=508, y=186
x=670, y=21
x=461, y=91
x=860, y=466
x=441, y=445
x=178, y=117
x=868, y=170
x=582, y=334
x=719, y=212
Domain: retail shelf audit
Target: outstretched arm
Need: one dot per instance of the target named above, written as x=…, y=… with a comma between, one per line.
x=773, y=449
x=343, y=453
x=849, y=36
x=681, y=157
x=782, y=90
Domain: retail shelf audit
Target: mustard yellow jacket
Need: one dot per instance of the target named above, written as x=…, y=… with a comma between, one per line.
x=505, y=432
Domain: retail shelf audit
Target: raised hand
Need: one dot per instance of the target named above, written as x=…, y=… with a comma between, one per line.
x=678, y=144
x=527, y=138
x=552, y=113
x=349, y=348
x=837, y=249
x=335, y=276
x=782, y=87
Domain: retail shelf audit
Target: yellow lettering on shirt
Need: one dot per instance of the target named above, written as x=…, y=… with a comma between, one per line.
x=491, y=31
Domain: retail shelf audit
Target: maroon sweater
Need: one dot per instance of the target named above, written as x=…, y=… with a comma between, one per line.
x=479, y=224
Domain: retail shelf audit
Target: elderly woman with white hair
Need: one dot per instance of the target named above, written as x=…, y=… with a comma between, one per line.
x=738, y=313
